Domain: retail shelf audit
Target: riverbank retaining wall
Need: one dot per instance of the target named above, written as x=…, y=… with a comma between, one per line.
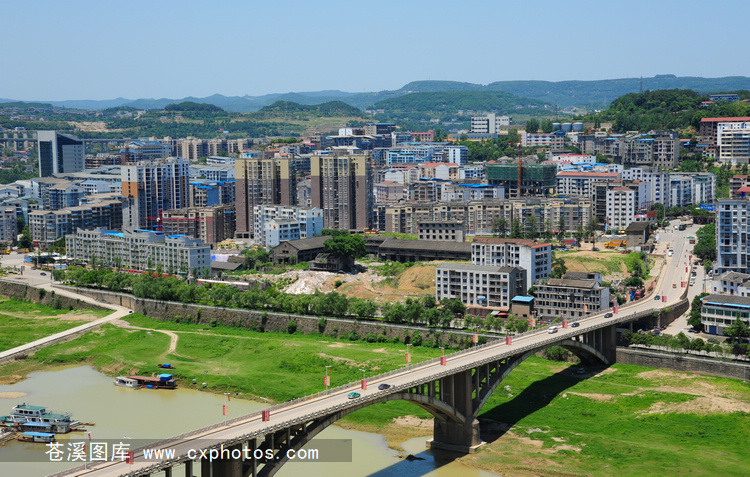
x=21, y=291
x=264, y=321
x=684, y=363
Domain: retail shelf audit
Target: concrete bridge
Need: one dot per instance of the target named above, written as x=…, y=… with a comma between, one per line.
x=453, y=391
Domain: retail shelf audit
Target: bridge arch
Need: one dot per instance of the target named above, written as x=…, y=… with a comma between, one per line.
x=440, y=410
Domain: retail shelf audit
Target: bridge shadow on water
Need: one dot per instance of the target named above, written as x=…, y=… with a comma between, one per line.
x=494, y=423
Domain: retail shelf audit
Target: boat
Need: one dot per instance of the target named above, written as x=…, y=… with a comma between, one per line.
x=126, y=382
x=37, y=417
x=163, y=381
x=37, y=437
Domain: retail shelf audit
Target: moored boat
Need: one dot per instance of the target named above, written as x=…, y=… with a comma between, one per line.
x=126, y=382
x=37, y=437
x=38, y=418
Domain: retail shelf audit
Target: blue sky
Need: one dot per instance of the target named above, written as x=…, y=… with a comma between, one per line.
x=165, y=48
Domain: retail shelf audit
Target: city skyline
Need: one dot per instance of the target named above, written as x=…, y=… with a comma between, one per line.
x=138, y=50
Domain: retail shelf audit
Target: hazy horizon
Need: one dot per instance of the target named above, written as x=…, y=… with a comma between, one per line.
x=100, y=51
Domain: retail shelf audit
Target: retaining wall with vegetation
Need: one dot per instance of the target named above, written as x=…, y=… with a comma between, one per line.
x=21, y=291
x=263, y=321
x=678, y=361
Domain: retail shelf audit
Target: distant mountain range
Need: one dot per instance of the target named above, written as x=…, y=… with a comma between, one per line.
x=590, y=94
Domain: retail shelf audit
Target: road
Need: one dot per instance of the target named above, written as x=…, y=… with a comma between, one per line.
x=673, y=272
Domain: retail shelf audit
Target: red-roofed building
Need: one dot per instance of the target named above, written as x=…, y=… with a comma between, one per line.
x=582, y=183
x=709, y=126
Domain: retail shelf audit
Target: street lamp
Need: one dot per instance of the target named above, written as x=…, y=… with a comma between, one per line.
x=327, y=381
x=363, y=374
x=408, y=355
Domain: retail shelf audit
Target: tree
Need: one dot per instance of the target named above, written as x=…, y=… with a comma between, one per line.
x=558, y=267
x=738, y=329
x=500, y=226
x=579, y=233
x=547, y=126
x=532, y=226
x=349, y=246
x=602, y=159
x=561, y=229
x=25, y=241
x=532, y=125
x=591, y=228
x=694, y=319
x=516, y=228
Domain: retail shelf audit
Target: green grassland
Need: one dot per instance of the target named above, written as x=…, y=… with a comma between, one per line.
x=544, y=419
x=23, y=322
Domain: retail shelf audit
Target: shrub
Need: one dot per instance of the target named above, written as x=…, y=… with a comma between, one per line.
x=371, y=338
x=291, y=327
x=322, y=322
x=214, y=323
x=337, y=283
x=382, y=339
x=395, y=340
x=353, y=336
x=416, y=339
x=556, y=353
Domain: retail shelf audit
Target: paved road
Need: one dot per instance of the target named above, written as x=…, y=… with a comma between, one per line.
x=673, y=272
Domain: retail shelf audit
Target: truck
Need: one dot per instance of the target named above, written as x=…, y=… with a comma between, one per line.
x=616, y=243
x=682, y=227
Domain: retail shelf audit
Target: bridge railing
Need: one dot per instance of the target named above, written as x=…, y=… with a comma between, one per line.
x=362, y=399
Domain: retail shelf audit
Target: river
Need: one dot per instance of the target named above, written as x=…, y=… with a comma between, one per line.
x=132, y=415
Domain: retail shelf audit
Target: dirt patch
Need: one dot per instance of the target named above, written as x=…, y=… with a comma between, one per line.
x=338, y=359
x=566, y=447
x=607, y=371
x=660, y=374
x=78, y=317
x=414, y=422
x=11, y=395
x=530, y=442
x=379, y=350
x=701, y=405
x=594, y=396
x=291, y=344
x=339, y=345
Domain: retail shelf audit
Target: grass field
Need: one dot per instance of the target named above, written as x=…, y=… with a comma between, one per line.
x=23, y=322
x=544, y=419
x=255, y=364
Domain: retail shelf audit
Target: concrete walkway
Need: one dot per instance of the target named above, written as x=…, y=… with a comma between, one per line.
x=27, y=348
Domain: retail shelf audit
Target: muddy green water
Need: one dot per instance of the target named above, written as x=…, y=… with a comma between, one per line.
x=129, y=414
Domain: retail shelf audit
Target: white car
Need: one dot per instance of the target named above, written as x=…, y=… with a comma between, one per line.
x=552, y=329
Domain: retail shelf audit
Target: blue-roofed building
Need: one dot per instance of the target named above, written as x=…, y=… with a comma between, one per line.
x=140, y=249
x=719, y=311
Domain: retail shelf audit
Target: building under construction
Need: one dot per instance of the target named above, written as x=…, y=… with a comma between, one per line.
x=539, y=180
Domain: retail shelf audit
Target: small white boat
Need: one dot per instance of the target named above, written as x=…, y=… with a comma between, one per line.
x=126, y=382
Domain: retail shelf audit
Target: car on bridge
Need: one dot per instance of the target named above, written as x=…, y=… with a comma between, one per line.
x=575, y=325
x=608, y=315
x=552, y=329
x=384, y=386
x=353, y=395
x=657, y=297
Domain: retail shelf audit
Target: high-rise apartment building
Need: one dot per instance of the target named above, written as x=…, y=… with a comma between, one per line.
x=59, y=153
x=732, y=236
x=342, y=188
x=262, y=179
x=151, y=188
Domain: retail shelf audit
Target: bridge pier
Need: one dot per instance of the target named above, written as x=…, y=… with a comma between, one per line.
x=457, y=436
x=225, y=467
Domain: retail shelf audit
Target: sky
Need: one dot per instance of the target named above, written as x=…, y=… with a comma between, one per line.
x=164, y=48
